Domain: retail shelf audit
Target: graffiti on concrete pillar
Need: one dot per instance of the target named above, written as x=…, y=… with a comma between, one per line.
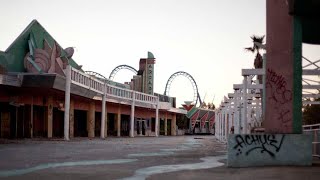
x=281, y=97
x=270, y=144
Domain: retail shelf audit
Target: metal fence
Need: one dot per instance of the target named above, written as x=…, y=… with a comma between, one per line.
x=314, y=130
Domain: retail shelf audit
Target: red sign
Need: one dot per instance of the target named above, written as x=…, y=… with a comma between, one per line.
x=194, y=118
x=187, y=107
x=203, y=119
x=211, y=121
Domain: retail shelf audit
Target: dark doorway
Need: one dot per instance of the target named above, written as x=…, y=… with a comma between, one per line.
x=169, y=127
x=162, y=127
x=80, y=123
x=141, y=127
x=39, y=125
x=57, y=123
x=125, y=125
x=153, y=124
x=97, y=124
x=111, y=124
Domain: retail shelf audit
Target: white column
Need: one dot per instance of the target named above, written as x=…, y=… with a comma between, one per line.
x=236, y=113
x=245, y=104
x=221, y=124
x=215, y=125
x=218, y=125
x=132, y=114
x=226, y=125
x=103, y=112
x=157, y=118
x=67, y=103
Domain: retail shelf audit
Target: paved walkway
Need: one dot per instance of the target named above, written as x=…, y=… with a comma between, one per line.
x=181, y=157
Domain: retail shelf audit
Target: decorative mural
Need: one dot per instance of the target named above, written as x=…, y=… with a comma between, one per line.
x=46, y=60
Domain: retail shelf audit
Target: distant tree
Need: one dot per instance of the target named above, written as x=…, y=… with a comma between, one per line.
x=311, y=113
x=211, y=106
x=256, y=49
x=204, y=105
x=182, y=122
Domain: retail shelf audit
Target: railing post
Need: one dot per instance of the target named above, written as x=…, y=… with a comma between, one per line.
x=132, y=115
x=103, y=112
x=67, y=103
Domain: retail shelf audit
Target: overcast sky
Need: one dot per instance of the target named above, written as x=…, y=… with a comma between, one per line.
x=205, y=38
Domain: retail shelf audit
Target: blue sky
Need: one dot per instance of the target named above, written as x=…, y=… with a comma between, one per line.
x=205, y=38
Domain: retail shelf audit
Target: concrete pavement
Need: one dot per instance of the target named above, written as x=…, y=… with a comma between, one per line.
x=181, y=157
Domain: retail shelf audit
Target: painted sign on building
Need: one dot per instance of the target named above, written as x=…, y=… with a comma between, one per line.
x=150, y=73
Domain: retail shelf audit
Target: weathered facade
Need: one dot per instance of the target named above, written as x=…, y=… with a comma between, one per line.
x=33, y=88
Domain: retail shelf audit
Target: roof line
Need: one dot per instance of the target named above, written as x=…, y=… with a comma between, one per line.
x=24, y=31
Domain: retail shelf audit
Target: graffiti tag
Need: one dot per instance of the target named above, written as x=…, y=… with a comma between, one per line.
x=263, y=143
x=276, y=85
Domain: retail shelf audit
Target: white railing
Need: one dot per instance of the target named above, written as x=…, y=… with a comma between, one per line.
x=314, y=129
x=92, y=83
x=142, y=97
x=86, y=81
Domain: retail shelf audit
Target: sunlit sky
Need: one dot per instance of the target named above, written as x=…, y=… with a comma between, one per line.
x=205, y=38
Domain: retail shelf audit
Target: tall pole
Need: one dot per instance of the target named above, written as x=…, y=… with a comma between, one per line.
x=67, y=103
x=103, y=112
x=132, y=115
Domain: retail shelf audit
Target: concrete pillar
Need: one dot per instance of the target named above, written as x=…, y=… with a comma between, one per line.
x=119, y=121
x=67, y=103
x=220, y=114
x=50, y=115
x=226, y=125
x=245, y=104
x=71, y=122
x=216, y=126
x=106, y=124
x=91, y=119
x=236, y=114
x=132, y=115
x=220, y=125
x=283, y=70
x=103, y=113
x=173, y=125
x=222, y=121
x=157, y=118
x=166, y=125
